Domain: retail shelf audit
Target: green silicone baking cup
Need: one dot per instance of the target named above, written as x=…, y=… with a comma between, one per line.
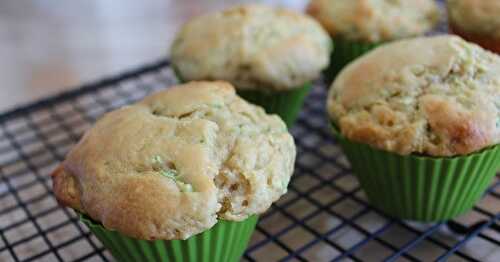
x=286, y=104
x=345, y=52
x=421, y=188
x=226, y=241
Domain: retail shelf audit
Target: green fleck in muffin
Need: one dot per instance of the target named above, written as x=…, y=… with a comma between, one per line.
x=187, y=168
x=360, y=25
x=476, y=21
x=419, y=120
x=269, y=55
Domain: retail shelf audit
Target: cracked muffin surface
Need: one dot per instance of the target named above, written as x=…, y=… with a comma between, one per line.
x=375, y=20
x=437, y=96
x=171, y=165
x=255, y=47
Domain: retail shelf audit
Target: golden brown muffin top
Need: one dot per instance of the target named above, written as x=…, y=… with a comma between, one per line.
x=171, y=165
x=253, y=47
x=375, y=20
x=438, y=96
x=476, y=16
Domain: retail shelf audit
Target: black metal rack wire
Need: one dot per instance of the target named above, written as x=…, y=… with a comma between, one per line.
x=324, y=216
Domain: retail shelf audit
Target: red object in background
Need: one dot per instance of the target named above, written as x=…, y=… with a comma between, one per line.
x=487, y=42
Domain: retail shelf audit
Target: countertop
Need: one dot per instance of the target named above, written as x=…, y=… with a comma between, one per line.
x=47, y=47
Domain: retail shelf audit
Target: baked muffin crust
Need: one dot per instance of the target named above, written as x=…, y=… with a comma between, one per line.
x=253, y=47
x=438, y=96
x=478, y=17
x=171, y=165
x=375, y=20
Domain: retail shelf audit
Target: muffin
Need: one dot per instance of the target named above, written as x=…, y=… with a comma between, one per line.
x=358, y=26
x=476, y=21
x=180, y=176
x=269, y=55
x=419, y=121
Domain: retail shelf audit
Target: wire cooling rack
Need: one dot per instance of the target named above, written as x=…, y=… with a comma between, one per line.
x=324, y=216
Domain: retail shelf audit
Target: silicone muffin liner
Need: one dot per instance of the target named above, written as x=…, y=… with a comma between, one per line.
x=421, y=188
x=226, y=241
x=345, y=52
x=286, y=104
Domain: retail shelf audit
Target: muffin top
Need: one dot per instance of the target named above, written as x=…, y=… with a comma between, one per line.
x=174, y=163
x=375, y=20
x=438, y=96
x=476, y=16
x=253, y=47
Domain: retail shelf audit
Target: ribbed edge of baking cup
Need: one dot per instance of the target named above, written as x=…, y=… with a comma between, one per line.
x=421, y=188
x=286, y=104
x=345, y=52
x=226, y=241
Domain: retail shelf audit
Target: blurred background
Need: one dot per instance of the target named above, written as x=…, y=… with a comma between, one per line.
x=47, y=46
